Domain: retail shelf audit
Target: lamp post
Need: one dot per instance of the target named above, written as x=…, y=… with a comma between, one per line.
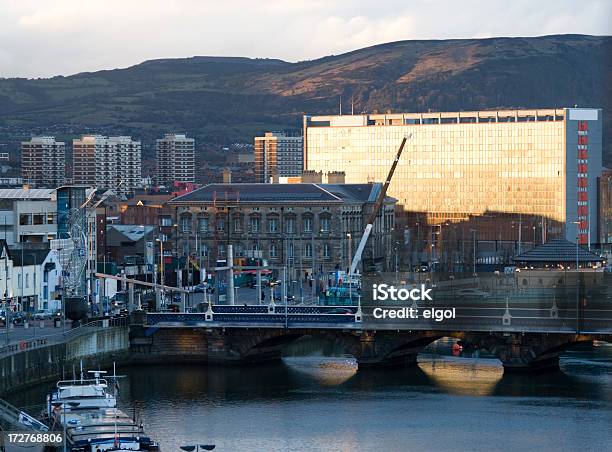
x=197, y=447
x=350, y=264
x=474, y=254
x=161, y=266
x=577, y=278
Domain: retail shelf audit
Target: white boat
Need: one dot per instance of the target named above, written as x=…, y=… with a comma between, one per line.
x=105, y=430
x=86, y=410
x=81, y=394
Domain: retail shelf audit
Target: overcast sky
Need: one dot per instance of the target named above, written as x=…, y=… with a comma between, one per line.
x=40, y=38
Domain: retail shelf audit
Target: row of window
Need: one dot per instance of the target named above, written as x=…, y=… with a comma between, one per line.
x=255, y=225
x=27, y=219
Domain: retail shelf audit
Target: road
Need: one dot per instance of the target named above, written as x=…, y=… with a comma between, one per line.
x=19, y=333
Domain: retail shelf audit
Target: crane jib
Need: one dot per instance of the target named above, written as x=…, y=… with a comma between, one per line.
x=377, y=205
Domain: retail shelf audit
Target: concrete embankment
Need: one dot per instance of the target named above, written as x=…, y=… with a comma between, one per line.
x=35, y=361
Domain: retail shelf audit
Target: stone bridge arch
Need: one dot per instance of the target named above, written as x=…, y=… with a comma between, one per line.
x=370, y=348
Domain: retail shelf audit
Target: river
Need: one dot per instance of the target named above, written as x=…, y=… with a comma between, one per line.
x=315, y=402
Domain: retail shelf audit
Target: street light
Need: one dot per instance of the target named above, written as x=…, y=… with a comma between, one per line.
x=197, y=447
x=577, y=277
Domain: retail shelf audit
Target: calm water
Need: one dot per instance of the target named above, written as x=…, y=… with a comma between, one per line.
x=322, y=403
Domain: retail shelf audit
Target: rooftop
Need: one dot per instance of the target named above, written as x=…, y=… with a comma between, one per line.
x=255, y=193
x=456, y=117
x=132, y=232
x=27, y=193
x=558, y=251
x=29, y=256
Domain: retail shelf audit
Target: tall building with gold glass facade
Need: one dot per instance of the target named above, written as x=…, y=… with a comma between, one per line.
x=517, y=175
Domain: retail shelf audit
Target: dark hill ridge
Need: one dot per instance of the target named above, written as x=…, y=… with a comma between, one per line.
x=231, y=98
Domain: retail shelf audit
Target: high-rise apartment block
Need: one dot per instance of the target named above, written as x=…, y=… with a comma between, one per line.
x=278, y=155
x=43, y=162
x=175, y=157
x=531, y=174
x=107, y=162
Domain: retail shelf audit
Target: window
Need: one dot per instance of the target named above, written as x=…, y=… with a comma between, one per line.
x=290, y=225
x=238, y=224
x=273, y=225
x=326, y=251
x=25, y=219
x=239, y=250
x=254, y=224
x=185, y=225
x=19, y=281
x=220, y=224
x=27, y=280
x=165, y=221
x=273, y=251
x=203, y=225
x=308, y=250
x=39, y=218
x=221, y=249
x=307, y=224
x=50, y=218
x=325, y=223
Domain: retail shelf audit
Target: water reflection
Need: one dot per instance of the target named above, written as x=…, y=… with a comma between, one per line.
x=318, y=402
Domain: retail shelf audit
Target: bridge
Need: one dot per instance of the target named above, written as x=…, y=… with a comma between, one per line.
x=524, y=335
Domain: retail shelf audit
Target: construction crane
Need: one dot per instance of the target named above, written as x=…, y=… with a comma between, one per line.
x=377, y=206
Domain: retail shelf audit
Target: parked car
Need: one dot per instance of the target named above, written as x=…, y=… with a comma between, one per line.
x=42, y=315
x=18, y=318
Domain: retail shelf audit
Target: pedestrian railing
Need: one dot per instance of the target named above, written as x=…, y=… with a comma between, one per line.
x=24, y=344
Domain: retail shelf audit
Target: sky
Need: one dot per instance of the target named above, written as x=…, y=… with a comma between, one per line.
x=43, y=38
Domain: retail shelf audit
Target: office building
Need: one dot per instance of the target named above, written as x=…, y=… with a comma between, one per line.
x=278, y=155
x=175, y=159
x=605, y=209
x=27, y=215
x=43, y=162
x=107, y=163
x=519, y=176
x=301, y=226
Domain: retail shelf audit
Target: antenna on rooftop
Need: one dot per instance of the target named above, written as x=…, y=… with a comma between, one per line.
x=340, y=104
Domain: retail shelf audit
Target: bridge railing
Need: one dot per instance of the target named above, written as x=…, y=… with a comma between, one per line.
x=519, y=318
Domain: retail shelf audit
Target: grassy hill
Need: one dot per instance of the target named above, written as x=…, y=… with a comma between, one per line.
x=219, y=99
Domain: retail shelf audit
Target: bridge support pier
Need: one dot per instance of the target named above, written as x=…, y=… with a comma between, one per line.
x=524, y=353
x=390, y=349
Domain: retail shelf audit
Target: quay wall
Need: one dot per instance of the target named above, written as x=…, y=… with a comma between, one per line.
x=38, y=361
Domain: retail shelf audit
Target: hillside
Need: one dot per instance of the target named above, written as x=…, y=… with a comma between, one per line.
x=225, y=99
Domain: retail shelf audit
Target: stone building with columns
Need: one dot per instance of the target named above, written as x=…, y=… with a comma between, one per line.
x=304, y=226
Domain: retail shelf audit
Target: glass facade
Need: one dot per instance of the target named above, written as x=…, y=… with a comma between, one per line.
x=515, y=165
x=453, y=171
